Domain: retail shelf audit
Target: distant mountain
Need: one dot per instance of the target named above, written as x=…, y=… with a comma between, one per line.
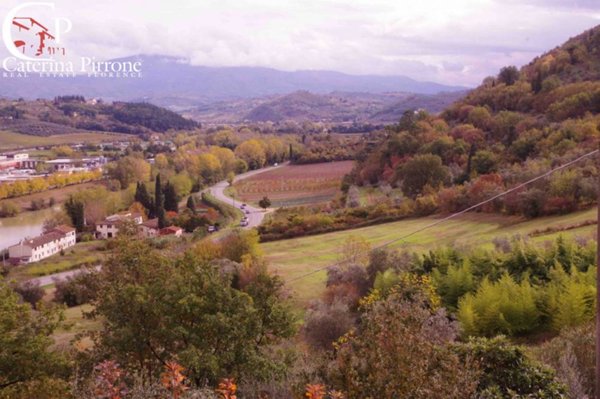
x=71, y=114
x=175, y=83
x=336, y=107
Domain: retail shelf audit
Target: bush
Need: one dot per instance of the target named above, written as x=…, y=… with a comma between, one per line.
x=9, y=209
x=326, y=323
x=30, y=292
x=75, y=290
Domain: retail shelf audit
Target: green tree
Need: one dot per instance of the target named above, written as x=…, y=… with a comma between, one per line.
x=503, y=307
x=420, y=171
x=75, y=210
x=171, y=202
x=508, y=75
x=29, y=368
x=265, y=202
x=191, y=203
x=154, y=308
x=159, y=203
x=507, y=372
x=142, y=196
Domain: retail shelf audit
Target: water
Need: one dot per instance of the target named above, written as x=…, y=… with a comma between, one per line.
x=26, y=224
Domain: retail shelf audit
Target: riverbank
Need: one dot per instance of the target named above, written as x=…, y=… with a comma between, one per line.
x=60, y=195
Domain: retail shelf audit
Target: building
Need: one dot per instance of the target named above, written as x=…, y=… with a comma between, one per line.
x=149, y=228
x=109, y=227
x=43, y=246
x=171, y=231
x=76, y=164
x=17, y=161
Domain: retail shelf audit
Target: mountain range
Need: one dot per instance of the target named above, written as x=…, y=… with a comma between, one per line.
x=174, y=83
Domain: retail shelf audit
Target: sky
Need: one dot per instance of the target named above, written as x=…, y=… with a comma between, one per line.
x=457, y=42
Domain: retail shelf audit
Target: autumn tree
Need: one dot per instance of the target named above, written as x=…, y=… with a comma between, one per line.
x=253, y=153
x=394, y=354
x=130, y=169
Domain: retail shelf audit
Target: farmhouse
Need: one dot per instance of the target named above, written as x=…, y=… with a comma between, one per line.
x=149, y=228
x=43, y=246
x=109, y=227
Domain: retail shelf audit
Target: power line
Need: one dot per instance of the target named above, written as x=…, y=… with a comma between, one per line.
x=517, y=187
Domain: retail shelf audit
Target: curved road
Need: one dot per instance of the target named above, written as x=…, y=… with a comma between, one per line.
x=256, y=215
x=255, y=218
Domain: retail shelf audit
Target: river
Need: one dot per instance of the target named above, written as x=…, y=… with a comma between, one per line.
x=26, y=224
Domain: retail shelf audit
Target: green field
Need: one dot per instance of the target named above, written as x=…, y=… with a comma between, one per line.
x=12, y=141
x=296, y=257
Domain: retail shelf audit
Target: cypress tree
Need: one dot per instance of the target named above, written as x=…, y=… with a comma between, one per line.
x=142, y=196
x=159, y=203
x=75, y=210
x=171, y=203
x=191, y=203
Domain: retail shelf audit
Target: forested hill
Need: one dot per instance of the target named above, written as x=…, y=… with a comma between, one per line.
x=513, y=126
x=67, y=114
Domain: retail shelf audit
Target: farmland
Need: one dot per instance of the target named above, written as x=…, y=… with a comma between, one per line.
x=13, y=141
x=296, y=257
x=294, y=184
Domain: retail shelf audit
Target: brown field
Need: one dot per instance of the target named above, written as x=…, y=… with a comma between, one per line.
x=295, y=184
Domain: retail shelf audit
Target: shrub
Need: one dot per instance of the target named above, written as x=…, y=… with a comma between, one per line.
x=30, y=292
x=75, y=290
x=9, y=209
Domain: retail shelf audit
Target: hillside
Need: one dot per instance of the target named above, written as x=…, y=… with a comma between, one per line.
x=335, y=107
x=73, y=114
x=172, y=82
x=514, y=126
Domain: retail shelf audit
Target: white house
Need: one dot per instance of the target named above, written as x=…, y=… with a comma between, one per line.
x=43, y=246
x=149, y=228
x=109, y=227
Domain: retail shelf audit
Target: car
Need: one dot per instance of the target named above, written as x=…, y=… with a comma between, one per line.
x=275, y=164
x=244, y=205
x=211, y=229
x=247, y=211
x=243, y=223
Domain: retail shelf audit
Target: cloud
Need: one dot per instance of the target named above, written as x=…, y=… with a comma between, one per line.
x=448, y=41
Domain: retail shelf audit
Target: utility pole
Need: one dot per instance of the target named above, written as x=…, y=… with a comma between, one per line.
x=598, y=288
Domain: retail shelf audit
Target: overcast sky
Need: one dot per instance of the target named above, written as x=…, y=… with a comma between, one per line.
x=446, y=41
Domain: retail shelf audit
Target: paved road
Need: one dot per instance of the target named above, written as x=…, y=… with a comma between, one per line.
x=47, y=280
x=255, y=218
x=256, y=215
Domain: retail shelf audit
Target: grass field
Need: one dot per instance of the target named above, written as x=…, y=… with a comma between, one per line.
x=294, y=184
x=11, y=140
x=295, y=257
